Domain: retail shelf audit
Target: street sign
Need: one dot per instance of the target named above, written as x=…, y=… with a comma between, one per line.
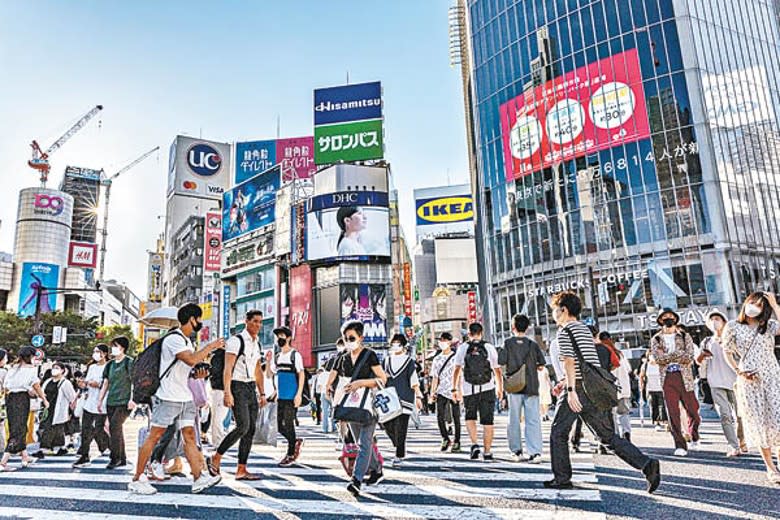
x=38, y=341
x=39, y=356
x=56, y=335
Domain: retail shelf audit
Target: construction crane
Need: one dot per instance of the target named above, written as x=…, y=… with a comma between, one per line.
x=107, y=182
x=40, y=159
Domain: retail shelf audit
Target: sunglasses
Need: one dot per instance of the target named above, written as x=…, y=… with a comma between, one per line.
x=351, y=338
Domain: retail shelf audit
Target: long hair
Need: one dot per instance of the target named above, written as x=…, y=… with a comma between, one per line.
x=341, y=214
x=757, y=298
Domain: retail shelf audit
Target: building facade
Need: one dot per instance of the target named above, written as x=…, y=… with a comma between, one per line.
x=627, y=150
x=186, y=261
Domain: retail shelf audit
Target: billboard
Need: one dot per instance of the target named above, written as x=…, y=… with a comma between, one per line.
x=456, y=261
x=212, y=238
x=355, y=141
x=77, y=172
x=592, y=108
x=301, y=311
x=366, y=303
x=443, y=210
x=154, y=287
x=35, y=277
x=250, y=205
x=82, y=254
x=348, y=103
x=225, y=311
x=198, y=168
x=737, y=98
x=348, y=225
x=294, y=155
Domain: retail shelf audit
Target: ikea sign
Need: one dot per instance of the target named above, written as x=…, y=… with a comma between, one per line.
x=445, y=210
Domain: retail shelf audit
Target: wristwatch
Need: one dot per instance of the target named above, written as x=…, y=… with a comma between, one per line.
x=569, y=388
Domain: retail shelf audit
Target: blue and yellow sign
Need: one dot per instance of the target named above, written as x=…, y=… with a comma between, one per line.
x=445, y=210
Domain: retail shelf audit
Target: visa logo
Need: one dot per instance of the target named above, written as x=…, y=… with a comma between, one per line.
x=217, y=190
x=447, y=209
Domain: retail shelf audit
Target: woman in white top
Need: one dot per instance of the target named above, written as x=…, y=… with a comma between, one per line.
x=654, y=394
x=401, y=373
x=62, y=398
x=352, y=222
x=21, y=382
x=93, y=422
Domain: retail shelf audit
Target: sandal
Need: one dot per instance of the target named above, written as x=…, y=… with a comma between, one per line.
x=213, y=470
x=773, y=477
x=5, y=468
x=28, y=462
x=249, y=476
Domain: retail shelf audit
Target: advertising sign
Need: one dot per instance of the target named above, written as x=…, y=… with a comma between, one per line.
x=366, y=303
x=82, y=254
x=83, y=173
x=300, y=311
x=212, y=237
x=348, y=103
x=737, y=98
x=592, y=108
x=407, y=289
x=254, y=157
x=295, y=156
x=154, y=279
x=472, y=306
x=444, y=210
x=36, y=278
x=250, y=205
x=353, y=225
x=225, y=311
x=198, y=168
x=356, y=141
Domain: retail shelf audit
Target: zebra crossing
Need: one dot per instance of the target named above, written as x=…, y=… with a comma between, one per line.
x=431, y=484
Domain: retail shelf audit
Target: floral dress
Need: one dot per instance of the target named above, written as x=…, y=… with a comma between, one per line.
x=758, y=400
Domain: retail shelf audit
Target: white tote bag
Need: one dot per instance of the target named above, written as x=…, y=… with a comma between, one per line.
x=387, y=404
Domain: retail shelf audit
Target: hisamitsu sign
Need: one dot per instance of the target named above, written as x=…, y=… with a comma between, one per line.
x=348, y=103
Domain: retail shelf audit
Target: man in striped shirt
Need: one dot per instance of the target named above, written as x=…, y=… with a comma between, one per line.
x=574, y=336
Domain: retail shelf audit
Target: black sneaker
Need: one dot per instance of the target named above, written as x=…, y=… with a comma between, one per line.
x=374, y=478
x=487, y=457
x=38, y=454
x=354, y=488
x=61, y=452
x=455, y=448
x=475, y=451
x=112, y=465
x=652, y=472
x=82, y=462
x=445, y=444
x=554, y=484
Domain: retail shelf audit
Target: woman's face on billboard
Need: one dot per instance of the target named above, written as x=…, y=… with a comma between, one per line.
x=355, y=223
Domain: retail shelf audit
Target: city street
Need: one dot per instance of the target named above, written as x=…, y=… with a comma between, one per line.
x=430, y=485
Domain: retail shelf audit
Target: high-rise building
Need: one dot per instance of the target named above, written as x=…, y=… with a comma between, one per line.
x=83, y=184
x=625, y=149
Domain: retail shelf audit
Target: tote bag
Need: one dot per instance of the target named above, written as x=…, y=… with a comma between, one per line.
x=356, y=406
x=387, y=404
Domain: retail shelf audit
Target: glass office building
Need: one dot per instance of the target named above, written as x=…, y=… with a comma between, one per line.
x=628, y=150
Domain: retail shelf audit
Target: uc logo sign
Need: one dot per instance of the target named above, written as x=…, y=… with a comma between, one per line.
x=447, y=209
x=51, y=202
x=204, y=160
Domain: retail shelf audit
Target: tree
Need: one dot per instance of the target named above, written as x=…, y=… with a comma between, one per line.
x=107, y=333
x=16, y=332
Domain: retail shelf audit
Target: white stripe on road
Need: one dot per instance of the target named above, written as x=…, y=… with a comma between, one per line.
x=48, y=514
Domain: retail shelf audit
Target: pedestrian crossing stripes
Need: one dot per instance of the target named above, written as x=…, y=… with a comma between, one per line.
x=431, y=484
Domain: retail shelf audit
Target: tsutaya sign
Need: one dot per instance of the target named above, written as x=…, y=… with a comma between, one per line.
x=691, y=317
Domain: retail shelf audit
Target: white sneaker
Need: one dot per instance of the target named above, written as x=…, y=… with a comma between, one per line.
x=695, y=445
x=141, y=486
x=659, y=428
x=157, y=472
x=518, y=456
x=397, y=462
x=204, y=482
x=679, y=452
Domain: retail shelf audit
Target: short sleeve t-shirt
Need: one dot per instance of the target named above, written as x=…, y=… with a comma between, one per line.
x=460, y=360
x=345, y=367
x=20, y=379
x=173, y=387
x=120, y=381
x=244, y=369
x=584, y=340
x=94, y=373
x=443, y=370
x=286, y=359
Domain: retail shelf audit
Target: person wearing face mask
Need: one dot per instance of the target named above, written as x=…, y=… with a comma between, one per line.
x=722, y=379
x=751, y=339
x=3, y=413
x=61, y=396
x=401, y=373
x=116, y=392
x=93, y=417
x=447, y=407
x=287, y=366
x=672, y=349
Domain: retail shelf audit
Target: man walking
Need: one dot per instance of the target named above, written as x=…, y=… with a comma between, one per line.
x=287, y=365
x=241, y=375
x=522, y=353
x=575, y=341
x=477, y=360
x=447, y=408
x=173, y=404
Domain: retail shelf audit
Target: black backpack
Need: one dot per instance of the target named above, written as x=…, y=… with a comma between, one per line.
x=146, y=370
x=477, y=370
x=216, y=375
x=290, y=367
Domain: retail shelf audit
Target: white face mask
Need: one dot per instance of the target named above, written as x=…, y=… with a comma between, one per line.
x=114, y=351
x=752, y=310
x=352, y=345
x=444, y=345
x=96, y=356
x=556, y=314
x=396, y=348
x=56, y=372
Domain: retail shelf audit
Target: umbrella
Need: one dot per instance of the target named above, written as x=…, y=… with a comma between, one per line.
x=164, y=318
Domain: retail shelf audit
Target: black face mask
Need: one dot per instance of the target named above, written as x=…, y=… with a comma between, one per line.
x=198, y=326
x=669, y=322
x=281, y=342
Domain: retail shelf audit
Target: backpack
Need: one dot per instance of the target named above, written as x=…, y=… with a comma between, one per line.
x=146, y=371
x=288, y=380
x=216, y=375
x=599, y=384
x=477, y=370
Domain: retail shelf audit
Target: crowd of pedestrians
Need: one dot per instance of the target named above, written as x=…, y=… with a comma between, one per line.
x=221, y=392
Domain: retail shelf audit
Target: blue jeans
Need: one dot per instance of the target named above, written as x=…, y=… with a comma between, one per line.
x=365, y=461
x=524, y=405
x=328, y=424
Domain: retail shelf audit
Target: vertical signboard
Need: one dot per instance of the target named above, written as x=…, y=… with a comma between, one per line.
x=366, y=303
x=472, y=306
x=407, y=289
x=212, y=251
x=226, y=311
x=36, y=279
x=154, y=278
x=300, y=312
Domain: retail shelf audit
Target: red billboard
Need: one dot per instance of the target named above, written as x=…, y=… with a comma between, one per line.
x=300, y=312
x=592, y=108
x=212, y=250
x=82, y=254
x=472, y=306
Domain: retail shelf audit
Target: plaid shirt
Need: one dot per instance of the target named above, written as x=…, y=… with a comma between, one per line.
x=682, y=355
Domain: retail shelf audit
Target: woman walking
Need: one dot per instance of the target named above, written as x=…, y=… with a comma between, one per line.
x=116, y=391
x=93, y=419
x=751, y=339
x=401, y=373
x=361, y=367
x=61, y=396
x=21, y=382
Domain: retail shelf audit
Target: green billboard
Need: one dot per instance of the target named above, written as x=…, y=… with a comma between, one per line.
x=354, y=141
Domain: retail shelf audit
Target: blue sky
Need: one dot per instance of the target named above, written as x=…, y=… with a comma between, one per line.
x=225, y=70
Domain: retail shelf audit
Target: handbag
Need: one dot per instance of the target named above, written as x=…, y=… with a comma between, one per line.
x=78, y=411
x=515, y=382
x=356, y=406
x=387, y=404
x=600, y=385
x=266, y=431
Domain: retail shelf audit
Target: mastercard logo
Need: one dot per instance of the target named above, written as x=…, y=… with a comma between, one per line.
x=189, y=185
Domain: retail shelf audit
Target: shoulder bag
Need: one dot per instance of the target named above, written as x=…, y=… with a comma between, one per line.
x=386, y=401
x=600, y=385
x=356, y=406
x=515, y=382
